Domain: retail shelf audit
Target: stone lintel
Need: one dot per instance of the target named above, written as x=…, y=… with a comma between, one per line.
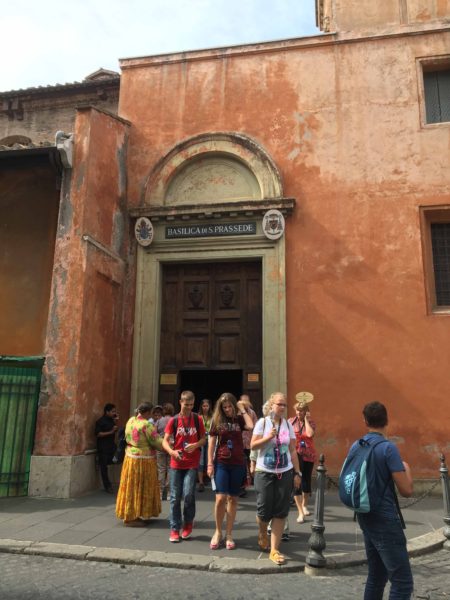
x=230, y=210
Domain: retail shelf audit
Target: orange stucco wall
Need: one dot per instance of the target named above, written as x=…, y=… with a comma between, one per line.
x=87, y=354
x=28, y=213
x=358, y=14
x=342, y=123
x=365, y=15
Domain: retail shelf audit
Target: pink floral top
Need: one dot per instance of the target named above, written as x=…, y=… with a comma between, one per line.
x=304, y=444
x=142, y=438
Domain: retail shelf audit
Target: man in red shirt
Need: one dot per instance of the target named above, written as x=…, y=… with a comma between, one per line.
x=183, y=437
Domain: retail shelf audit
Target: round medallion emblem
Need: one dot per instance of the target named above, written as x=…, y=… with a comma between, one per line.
x=143, y=230
x=273, y=224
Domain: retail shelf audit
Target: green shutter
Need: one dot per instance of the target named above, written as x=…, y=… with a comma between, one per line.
x=19, y=396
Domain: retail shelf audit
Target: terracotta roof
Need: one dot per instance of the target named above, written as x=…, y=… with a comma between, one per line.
x=99, y=78
x=101, y=74
x=44, y=144
x=20, y=155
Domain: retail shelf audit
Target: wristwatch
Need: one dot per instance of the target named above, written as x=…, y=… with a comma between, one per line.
x=297, y=473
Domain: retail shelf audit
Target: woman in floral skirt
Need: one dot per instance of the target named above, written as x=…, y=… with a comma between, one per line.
x=138, y=499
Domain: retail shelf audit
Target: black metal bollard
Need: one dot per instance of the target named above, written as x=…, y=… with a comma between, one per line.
x=315, y=559
x=446, y=497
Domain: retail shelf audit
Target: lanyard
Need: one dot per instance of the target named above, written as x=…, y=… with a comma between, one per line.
x=278, y=430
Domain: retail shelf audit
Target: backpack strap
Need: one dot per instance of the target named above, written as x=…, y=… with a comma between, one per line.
x=174, y=426
x=196, y=424
x=390, y=483
x=402, y=520
x=373, y=446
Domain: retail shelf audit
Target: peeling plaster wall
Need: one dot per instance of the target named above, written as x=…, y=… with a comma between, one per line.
x=88, y=343
x=367, y=15
x=342, y=124
x=42, y=115
x=351, y=15
x=426, y=10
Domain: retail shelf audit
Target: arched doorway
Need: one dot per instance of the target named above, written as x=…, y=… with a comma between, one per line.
x=211, y=287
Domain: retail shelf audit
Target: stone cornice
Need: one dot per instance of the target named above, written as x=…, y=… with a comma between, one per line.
x=237, y=209
x=314, y=41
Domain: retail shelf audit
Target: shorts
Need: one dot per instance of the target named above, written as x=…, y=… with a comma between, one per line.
x=228, y=479
x=306, y=469
x=273, y=494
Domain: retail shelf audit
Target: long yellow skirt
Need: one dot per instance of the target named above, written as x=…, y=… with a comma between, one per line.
x=138, y=494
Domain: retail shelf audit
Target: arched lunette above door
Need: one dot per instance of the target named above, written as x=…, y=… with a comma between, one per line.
x=213, y=168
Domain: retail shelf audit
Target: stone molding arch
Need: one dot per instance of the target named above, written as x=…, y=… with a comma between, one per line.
x=236, y=155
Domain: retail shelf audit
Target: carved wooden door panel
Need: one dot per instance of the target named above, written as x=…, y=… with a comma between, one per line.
x=211, y=320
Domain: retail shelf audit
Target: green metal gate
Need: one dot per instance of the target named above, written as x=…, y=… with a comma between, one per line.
x=20, y=380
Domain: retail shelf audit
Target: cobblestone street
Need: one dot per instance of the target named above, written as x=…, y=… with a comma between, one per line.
x=39, y=578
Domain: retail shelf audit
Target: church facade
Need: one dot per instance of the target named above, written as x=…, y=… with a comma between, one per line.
x=265, y=217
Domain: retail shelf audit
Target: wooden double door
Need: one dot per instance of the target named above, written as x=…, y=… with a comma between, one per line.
x=211, y=330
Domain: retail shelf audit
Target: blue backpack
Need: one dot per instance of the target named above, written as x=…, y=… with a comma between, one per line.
x=359, y=483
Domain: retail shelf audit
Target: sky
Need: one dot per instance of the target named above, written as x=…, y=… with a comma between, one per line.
x=48, y=42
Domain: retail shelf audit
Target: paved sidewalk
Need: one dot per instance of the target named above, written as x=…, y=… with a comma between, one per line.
x=89, y=527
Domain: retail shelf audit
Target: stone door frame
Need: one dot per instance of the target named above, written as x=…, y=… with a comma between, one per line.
x=147, y=328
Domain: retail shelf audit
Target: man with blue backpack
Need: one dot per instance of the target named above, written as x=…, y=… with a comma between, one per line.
x=366, y=485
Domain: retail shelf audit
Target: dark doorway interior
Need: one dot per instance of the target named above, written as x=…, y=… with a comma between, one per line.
x=210, y=383
x=211, y=330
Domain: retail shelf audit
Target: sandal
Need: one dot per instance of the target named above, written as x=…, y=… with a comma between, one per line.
x=215, y=542
x=135, y=523
x=230, y=545
x=277, y=558
x=263, y=540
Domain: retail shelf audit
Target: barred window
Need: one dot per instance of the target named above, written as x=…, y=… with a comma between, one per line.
x=435, y=227
x=440, y=243
x=437, y=95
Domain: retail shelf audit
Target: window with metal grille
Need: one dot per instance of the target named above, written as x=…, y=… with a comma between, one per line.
x=437, y=95
x=440, y=243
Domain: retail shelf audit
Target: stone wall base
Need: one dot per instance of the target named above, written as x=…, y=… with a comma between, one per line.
x=422, y=486
x=66, y=476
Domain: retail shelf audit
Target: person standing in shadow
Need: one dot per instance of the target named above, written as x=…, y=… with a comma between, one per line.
x=105, y=431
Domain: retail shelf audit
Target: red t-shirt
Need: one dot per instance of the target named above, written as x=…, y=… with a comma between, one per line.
x=186, y=434
x=304, y=444
x=230, y=449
